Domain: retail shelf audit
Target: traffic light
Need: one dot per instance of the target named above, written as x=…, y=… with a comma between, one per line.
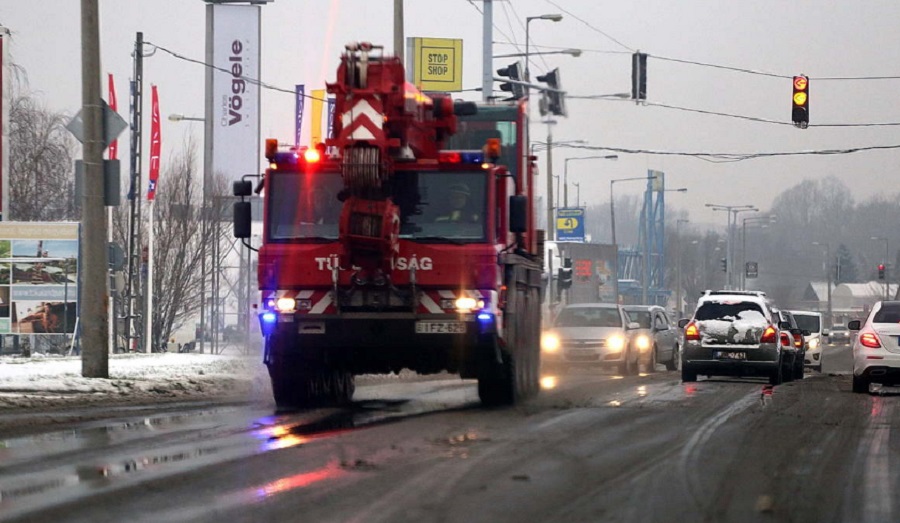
x=639, y=76
x=513, y=71
x=881, y=271
x=556, y=99
x=564, y=276
x=724, y=264
x=800, y=101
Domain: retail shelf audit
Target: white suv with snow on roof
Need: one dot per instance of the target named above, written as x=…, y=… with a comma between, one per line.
x=734, y=333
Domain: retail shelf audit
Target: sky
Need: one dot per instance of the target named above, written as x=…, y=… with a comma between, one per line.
x=302, y=40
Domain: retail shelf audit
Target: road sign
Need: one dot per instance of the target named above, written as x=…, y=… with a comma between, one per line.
x=113, y=125
x=570, y=225
x=752, y=269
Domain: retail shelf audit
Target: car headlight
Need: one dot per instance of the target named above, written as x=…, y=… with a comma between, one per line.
x=814, y=343
x=550, y=342
x=615, y=343
x=642, y=342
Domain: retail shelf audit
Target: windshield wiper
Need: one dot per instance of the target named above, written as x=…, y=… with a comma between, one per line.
x=316, y=239
x=437, y=239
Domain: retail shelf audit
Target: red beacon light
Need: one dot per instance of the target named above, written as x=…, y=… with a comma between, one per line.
x=312, y=155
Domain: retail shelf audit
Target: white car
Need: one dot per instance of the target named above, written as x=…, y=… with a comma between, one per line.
x=812, y=322
x=876, y=349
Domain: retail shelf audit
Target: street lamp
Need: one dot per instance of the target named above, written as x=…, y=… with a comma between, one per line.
x=884, y=262
x=764, y=221
x=575, y=53
x=207, y=159
x=732, y=211
x=551, y=17
x=678, y=283
x=612, y=205
x=828, y=320
x=566, y=171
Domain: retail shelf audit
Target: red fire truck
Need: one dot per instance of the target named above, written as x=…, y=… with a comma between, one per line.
x=384, y=250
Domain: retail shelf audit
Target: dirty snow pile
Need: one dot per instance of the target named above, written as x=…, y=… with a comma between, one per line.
x=45, y=380
x=746, y=328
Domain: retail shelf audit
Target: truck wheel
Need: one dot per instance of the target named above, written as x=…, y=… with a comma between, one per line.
x=497, y=386
x=777, y=375
x=672, y=364
x=860, y=385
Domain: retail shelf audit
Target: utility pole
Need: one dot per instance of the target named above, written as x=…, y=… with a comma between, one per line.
x=133, y=294
x=398, y=29
x=95, y=358
x=551, y=224
x=487, y=63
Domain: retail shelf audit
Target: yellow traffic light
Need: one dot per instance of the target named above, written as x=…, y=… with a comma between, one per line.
x=800, y=102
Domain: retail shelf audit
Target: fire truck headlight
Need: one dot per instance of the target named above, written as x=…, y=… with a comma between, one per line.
x=285, y=304
x=465, y=304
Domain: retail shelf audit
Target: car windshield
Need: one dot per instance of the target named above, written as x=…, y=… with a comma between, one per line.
x=807, y=322
x=887, y=314
x=589, y=317
x=839, y=328
x=641, y=317
x=727, y=311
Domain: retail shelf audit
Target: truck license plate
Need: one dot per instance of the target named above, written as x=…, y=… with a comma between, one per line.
x=440, y=327
x=729, y=355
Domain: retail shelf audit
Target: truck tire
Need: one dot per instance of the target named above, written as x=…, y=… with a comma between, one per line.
x=777, y=375
x=499, y=383
x=672, y=364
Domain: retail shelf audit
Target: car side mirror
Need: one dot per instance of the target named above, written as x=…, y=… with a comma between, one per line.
x=805, y=332
x=242, y=220
x=518, y=214
x=784, y=325
x=796, y=331
x=633, y=325
x=826, y=332
x=682, y=323
x=853, y=325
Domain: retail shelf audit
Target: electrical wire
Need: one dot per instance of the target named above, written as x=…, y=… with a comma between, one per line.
x=576, y=17
x=525, y=28
x=254, y=81
x=734, y=157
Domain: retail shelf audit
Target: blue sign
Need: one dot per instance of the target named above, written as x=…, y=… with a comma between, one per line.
x=570, y=225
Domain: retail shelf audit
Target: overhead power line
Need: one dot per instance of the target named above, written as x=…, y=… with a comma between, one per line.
x=588, y=24
x=734, y=157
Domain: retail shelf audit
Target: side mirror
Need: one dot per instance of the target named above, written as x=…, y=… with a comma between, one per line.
x=633, y=325
x=796, y=332
x=805, y=333
x=241, y=219
x=784, y=325
x=242, y=188
x=853, y=325
x=518, y=213
x=682, y=323
x=826, y=332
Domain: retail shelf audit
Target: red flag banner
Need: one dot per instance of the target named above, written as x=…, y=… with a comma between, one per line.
x=154, y=146
x=113, y=145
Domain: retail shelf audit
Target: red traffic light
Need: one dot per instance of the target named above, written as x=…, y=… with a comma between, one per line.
x=881, y=267
x=800, y=83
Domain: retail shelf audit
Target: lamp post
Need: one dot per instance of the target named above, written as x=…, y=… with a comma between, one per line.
x=612, y=205
x=764, y=220
x=551, y=17
x=566, y=171
x=732, y=212
x=207, y=155
x=678, y=284
x=827, y=246
x=885, y=263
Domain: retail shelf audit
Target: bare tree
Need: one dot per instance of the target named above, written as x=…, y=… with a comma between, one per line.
x=41, y=180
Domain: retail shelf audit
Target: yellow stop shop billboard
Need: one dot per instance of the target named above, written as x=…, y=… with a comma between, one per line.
x=38, y=277
x=436, y=63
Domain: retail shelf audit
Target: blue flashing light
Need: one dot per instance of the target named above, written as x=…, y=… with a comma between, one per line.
x=470, y=157
x=269, y=317
x=485, y=317
x=285, y=158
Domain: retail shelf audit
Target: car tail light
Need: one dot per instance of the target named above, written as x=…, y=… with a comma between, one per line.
x=691, y=332
x=768, y=335
x=798, y=340
x=785, y=340
x=870, y=340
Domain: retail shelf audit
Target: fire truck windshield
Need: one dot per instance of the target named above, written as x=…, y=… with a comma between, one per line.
x=433, y=206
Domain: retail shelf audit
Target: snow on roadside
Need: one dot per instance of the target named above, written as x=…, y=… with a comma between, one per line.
x=132, y=378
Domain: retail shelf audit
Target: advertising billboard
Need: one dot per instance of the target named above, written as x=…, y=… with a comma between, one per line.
x=232, y=94
x=38, y=277
x=594, y=272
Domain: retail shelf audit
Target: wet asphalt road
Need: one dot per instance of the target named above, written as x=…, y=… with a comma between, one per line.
x=592, y=447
